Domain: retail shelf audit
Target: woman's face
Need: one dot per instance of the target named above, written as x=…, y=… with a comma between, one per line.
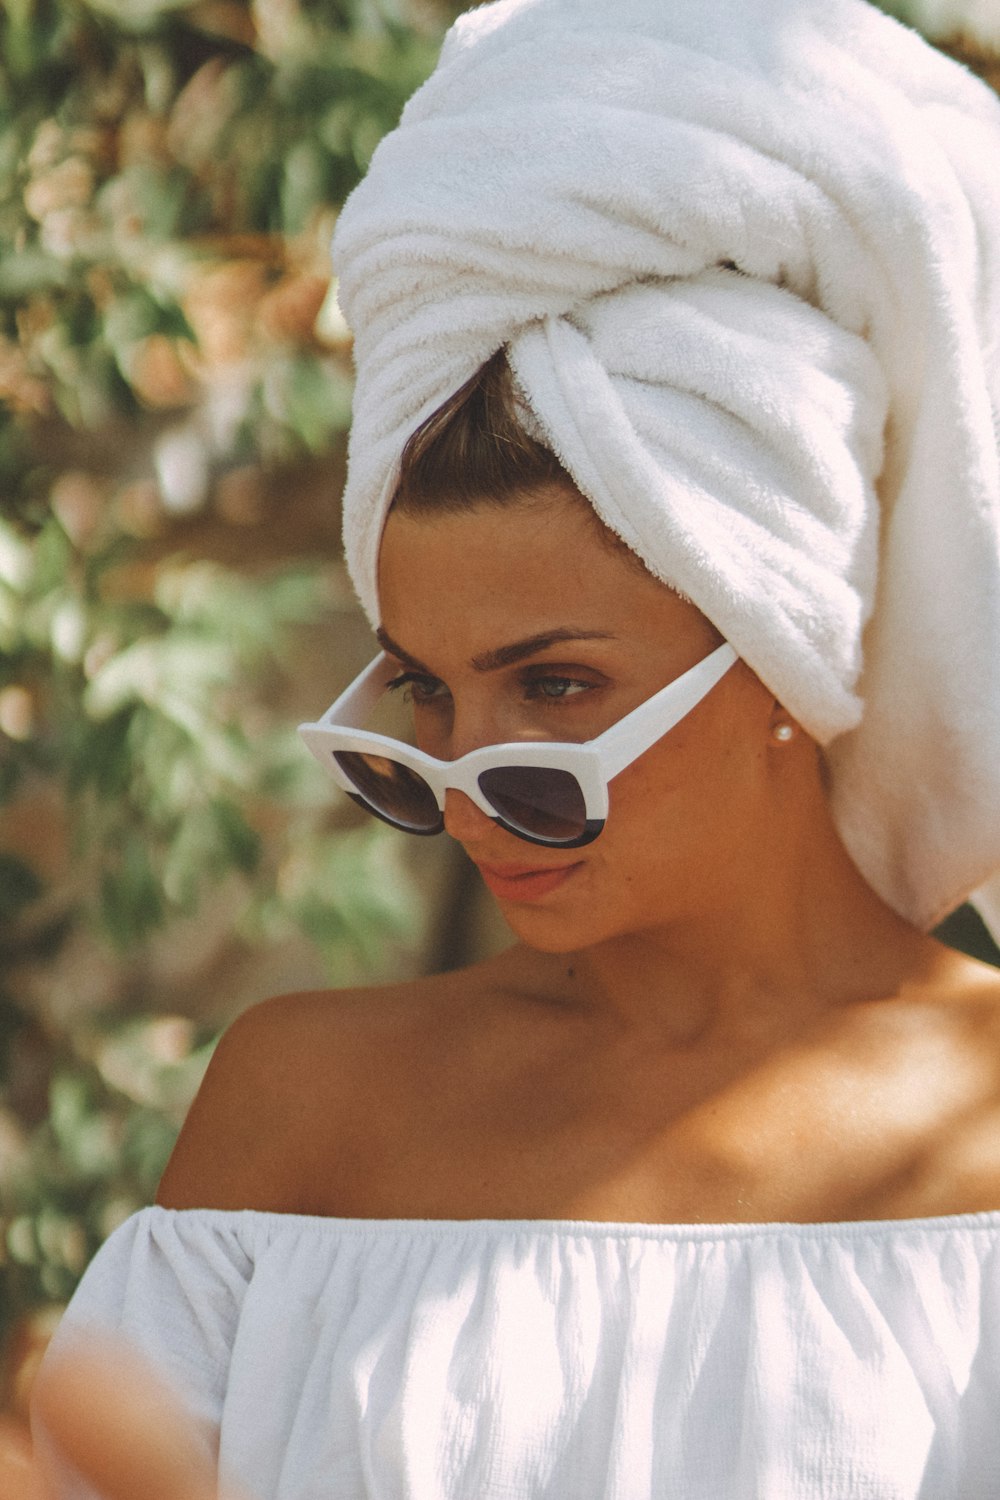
x=525, y=622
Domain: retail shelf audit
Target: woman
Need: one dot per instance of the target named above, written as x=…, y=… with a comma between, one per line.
x=695, y=1190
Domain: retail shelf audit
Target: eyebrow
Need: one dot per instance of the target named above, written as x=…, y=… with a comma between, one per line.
x=501, y=656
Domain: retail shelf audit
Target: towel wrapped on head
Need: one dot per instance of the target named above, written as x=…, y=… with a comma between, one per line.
x=744, y=256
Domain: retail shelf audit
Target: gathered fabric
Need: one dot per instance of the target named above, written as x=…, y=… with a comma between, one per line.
x=516, y=1360
x=744, y=257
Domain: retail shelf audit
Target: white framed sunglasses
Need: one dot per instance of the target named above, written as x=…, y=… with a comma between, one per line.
x=545, y=791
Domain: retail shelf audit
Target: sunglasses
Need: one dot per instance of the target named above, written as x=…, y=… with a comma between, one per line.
x=544, y=791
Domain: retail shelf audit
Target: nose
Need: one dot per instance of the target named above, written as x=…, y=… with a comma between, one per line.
x=463, y=819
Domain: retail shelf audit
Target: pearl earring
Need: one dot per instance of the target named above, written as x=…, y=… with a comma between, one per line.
x=782, y=733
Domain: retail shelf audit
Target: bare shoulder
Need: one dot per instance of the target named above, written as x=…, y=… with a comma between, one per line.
x=299, y=1081
x=970, y=991
x=974, y=1001
x=952, y=1099
x=231, y=1152
x=952, y=1016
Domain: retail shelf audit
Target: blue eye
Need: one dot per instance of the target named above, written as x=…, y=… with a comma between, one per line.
x=554, y=687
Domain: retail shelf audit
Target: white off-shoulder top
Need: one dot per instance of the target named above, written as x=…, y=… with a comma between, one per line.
x=338, y=1359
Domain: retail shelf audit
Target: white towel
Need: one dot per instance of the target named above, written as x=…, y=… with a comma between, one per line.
x=745, y=257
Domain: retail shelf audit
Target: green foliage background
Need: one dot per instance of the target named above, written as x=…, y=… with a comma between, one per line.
x=175, y=386
x=175, y=380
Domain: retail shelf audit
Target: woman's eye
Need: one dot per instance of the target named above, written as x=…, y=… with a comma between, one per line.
x=556, y=687
x=416, y=687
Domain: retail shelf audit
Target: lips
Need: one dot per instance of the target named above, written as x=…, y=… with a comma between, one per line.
x=525, y=882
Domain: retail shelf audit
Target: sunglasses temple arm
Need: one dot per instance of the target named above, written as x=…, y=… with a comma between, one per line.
x=358, y=700
x=639, y=730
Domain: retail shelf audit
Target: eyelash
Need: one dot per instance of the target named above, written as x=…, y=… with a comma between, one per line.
x=411, y=683
x=406, y=682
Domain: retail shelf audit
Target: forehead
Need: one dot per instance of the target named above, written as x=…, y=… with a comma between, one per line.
x=497, y=573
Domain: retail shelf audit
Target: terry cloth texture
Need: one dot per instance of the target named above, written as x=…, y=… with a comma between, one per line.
x=745, y=259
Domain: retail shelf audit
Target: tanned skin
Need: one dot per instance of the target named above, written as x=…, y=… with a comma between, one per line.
x=711, y=1018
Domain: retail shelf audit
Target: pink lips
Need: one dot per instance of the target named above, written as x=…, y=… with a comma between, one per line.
x=524, y=882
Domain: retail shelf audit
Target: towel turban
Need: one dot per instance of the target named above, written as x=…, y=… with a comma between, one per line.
x=744, y=256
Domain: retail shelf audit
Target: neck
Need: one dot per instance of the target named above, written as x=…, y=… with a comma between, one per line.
x=766, y=951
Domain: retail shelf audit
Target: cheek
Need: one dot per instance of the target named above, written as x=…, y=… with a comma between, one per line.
x=687, y=796
x=650, y=837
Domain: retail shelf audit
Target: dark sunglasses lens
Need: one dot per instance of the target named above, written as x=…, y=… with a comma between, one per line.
x=536, y=800
x=392, y=790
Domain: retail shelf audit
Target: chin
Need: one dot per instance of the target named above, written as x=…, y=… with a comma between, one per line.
x=547, y=932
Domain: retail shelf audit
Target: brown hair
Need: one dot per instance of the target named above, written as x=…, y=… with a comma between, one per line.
x=474, y=451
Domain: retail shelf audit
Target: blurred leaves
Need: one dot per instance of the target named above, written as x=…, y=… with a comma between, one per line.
x=169, y=175
x=115, y=1105
x=171, y=355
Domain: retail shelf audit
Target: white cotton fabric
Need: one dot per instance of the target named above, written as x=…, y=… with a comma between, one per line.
x=493, y=1360
x=745, y=258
